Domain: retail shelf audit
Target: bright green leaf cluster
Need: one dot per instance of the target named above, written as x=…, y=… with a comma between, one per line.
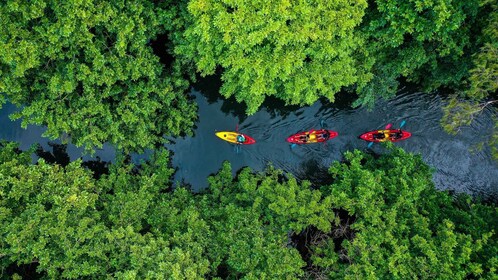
x=84, y=68
x=380, y=218
x=296, y=51
x=404, y=228
x=74, y=226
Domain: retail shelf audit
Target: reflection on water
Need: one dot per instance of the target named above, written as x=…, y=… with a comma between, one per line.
x=456, y=166
x=32, y=135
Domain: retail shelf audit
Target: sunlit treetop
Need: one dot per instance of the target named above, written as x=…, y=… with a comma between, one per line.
x=84, y=68
x=294, y=50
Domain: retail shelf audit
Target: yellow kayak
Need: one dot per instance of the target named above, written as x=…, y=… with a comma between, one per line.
x=231, y=137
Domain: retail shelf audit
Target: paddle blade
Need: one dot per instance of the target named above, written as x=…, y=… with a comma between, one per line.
x=321, y=124
x=402, y=124
x=370, y=145
x=293, y=145
x=388, y=126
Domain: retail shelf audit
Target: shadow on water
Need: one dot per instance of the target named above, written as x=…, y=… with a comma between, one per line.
x=210, y=86
x=97, y=166
x=343, y=100
x=277, y=108
x=60, y=156
x=316, y=172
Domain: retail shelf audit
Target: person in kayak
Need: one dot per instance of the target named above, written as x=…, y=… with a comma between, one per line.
x=305, y=138
x=398, y=134
x=241, y=139
x=325, y=135
x=381, y=135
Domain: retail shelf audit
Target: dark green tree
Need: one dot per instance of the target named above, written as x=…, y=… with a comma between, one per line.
x=85, y=69
x=427, y=42
x=482, y=83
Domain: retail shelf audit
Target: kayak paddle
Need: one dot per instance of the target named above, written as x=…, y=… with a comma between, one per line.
x=237, y=148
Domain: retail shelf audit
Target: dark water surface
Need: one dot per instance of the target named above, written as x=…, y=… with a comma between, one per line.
x=457, y=166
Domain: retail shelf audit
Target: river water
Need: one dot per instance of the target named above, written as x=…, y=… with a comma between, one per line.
x=458, y=165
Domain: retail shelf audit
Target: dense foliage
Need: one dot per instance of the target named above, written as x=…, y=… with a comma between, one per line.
x=404, y=228
x=297, y=51
x=85, y=68
x=482, y=87
x=302, y=51
x=428, y=42
x=381, y=218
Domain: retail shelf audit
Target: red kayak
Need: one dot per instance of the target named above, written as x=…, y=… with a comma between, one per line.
x=312, y=136
x=383, y=135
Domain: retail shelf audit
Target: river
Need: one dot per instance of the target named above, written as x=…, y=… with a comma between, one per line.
x=458, y=165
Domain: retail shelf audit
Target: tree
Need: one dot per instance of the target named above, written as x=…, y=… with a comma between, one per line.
x=84, y=68
x=423, y=41
x=381, y=217
x=482, y=83
x=74, y=226
x=295, y=51
x=127, y=225
x=252, y=217
x=404, y=228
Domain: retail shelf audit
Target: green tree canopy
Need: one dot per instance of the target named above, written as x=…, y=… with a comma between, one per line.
x=428, y=42
x=380, y=218
x=296, y=51
x=251, y=218
x=74, y=226
x=84, y=68
x=482, y=83
x=126, y=225
x=403, y=227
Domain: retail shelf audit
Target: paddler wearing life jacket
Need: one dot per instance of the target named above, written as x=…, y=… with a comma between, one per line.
x=397, y=135
x=382, y=134
x=241, y=138
x=325, y=134
x=305, y=138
